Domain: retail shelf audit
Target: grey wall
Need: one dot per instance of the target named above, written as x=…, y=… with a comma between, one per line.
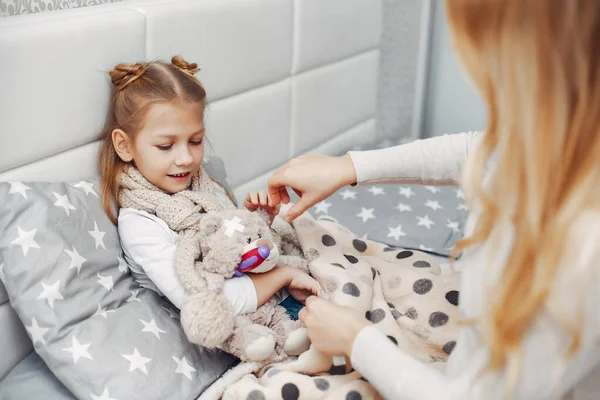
x=450, y=104
x=401, y=39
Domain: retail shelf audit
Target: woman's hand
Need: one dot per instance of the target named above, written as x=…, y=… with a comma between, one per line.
x=261, y=199
x=313, y=178
x=331, y=328
x=301, y=285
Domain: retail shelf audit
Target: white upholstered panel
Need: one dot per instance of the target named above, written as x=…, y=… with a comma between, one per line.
x=329, y=100
x=250, y=131
x=54, y=82
x=329, y=30
x=238, y=44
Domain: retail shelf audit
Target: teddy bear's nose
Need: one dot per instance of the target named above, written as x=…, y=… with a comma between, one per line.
x=264, y=251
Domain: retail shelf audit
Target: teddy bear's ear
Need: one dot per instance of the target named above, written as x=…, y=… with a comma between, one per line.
x=210, y=223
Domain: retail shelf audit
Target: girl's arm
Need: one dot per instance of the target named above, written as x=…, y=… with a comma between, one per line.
x=149, y=246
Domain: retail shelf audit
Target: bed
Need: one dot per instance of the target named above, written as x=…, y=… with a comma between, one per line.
x=281, y=81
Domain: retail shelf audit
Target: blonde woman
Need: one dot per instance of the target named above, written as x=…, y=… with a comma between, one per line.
x=530, y=292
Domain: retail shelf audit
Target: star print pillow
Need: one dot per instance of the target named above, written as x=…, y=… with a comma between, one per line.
x=427, y=218
x=99, y=333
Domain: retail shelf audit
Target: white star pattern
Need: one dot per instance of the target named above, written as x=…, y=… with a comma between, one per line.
x=435, y=205
x=406, y=192
x=106, y=281
x=396, y=232
x=425, y=221
x=376, y=190
x=50, y=293
x=18, y=187
x=183, y=367
x=104, y=396
x=453, y=225
x=26, y=240
x=421, y=247
x=122, y=265
x=459, y=194
x=102, y=312
x=322, y=207
x=152, y=328
x=133, y=297
x=98, y=236
x=78, y=350
x=462, y=206
x=37, y=332
x=137, y=361
x=76, y=260
x=403, y=207
x=432, y=189
x=86, y=186
x=366, y=214
x=63, y=201
x=348, y=194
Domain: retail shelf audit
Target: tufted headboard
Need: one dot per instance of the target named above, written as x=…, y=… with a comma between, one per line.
x=282, y=80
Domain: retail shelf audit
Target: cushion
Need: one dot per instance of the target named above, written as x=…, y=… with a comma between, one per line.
x=31, y=379
x=101, y=334
x=425, y=218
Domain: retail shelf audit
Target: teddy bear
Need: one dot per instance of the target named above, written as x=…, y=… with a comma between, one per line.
x=226, y=244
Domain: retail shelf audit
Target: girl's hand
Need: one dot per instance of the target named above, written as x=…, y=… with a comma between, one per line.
x=301, y=285
x=331, y=328
x=261, y=199
x=313, y=178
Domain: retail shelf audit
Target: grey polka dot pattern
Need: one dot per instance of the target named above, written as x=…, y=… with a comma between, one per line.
x=322, y=384
x=394, y=282
x=328, y=240
x=412, y=313
x=273, y=372
x=422, y=286
x=452, y=297
x=421, y=264
x=289, y=391
x=393, y=339
x=256, y=395
x=375, y=316
x=312, y=254
x=404, y=254
x=448, y=347
x=396, y=314
x=359, y=245
x=351, y=289
x=353, y=395
x=351, y=258
x=338, y=265
x=437, y=319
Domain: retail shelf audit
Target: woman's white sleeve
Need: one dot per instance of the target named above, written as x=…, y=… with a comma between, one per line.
x=436, y=161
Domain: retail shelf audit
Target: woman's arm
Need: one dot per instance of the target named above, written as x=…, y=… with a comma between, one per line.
x=436, y=161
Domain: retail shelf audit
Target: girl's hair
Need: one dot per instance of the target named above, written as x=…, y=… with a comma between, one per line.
x=135, y=88
x=537, y=66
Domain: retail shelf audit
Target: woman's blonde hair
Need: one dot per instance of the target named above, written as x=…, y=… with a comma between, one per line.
x=135, y=88
x=537, y=65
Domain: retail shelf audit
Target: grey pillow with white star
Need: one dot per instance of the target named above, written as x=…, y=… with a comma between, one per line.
x=102, y=335
x=427, y=218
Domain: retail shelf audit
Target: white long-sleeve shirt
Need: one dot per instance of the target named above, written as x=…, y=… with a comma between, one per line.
x=149, y=246
x=545, y=373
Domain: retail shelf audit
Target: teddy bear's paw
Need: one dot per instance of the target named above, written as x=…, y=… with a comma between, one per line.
x=260, y=349
x=297, y=342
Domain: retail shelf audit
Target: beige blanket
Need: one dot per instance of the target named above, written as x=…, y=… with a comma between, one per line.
x=403, y=292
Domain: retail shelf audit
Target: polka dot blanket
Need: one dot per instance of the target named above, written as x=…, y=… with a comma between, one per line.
x=403, y=292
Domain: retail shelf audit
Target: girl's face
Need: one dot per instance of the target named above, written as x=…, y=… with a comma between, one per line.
x=169, y=149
